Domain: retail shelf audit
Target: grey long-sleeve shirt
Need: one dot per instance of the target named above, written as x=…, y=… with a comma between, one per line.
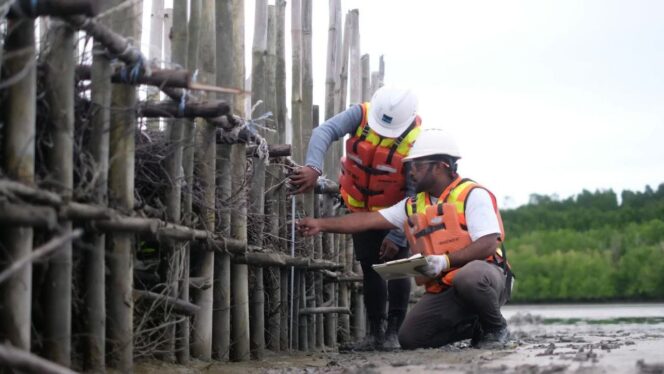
x=334, y=129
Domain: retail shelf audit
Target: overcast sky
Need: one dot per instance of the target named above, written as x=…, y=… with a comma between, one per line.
x=546, y=97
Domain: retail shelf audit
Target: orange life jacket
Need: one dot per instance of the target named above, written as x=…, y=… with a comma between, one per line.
x=372, y=175
x=441, y=228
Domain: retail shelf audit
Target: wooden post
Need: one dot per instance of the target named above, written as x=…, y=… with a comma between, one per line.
x=176, y=136
x=205, y=160
x=221, y=318
x=121, y=196
x=366, y=78
x=296, y=80
x=318, y=254
x=355, y=66
x=18, y=163
x=239, y=272
x=60, y=64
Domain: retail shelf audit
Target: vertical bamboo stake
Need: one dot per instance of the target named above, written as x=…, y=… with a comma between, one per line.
x=355, y=67
x=60, y=64
x=366, y=79
x=240, y=291
x=273, y=275
x=94, y=263
x=177, y=254
x=238, y=55
x=155, y=49
x=258, y=53
x=19, y=163
x=318, y=253
x=221, y=318
x=296, y=80
x=121, y=196
x=343, y=69
x=221, y=324
x=205, y=165
x=282, y=119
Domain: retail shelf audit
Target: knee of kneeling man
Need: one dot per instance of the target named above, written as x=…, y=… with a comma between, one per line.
x=468, y=276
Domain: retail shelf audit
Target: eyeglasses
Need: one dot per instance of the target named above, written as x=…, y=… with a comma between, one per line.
x=417, y=165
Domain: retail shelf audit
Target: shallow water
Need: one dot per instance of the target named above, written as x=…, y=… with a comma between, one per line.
x=641, y=311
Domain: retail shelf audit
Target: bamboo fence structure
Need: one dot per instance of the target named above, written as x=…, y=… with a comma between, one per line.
x=163, y=228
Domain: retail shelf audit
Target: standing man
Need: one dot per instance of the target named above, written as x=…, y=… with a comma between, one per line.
x=372, y=177
x=456, y=225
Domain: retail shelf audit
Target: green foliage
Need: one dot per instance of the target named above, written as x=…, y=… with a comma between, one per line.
x=588, y=247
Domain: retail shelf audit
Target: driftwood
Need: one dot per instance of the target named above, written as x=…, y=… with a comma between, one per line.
x=326, y=186
x=325, y=310
x=57, y=8
x=41, y=251
x=114, y=42
x=26, y=362
x=179, y=306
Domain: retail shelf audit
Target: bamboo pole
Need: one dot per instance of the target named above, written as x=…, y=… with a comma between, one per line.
x=57, y=8
x=318, y=254
x=94, y=262
x=221, y=318
x=272, y=276
x=221, y=324
x=59, y=57
x=365, y=67
x=343, y=69
x=174, y=162
x=237, y=9
x=155, y=50
x=282, y=119
x=173, y=304
x=332, y=87
x=256, y=221
x=205, y=159
x=240, y=293
x=121, y=196
x=296, y=80
x=18, y=163
x=355, y=65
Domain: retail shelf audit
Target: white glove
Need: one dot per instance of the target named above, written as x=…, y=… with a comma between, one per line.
x=436, y=264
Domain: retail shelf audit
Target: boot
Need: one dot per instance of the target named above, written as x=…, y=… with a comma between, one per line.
x=394, y=322
x=372, y=341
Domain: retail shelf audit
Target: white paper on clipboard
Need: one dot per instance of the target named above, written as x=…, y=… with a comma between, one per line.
x=403, y=268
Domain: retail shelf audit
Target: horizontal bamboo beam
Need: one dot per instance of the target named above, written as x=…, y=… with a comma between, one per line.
x=171, y=109
x=274, y=150
x=159, y=77
x=325, y=310
x=115, y=43
x=350, y=278
x=57, y=8
x=26, y=362
x=27, y=215
x=179, y=306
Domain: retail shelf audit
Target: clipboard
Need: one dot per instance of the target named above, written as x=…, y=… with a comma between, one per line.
x=403, y=268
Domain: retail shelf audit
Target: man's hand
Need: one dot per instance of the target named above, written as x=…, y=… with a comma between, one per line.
x=308, y=226
x=388, y=250
x=304, y=177
x=436, y=264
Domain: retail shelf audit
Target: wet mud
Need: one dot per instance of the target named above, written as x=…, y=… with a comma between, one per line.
x=537, y=345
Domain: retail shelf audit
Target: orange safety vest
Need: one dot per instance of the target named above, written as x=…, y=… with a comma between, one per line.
x=372, y=175
x=441, y=228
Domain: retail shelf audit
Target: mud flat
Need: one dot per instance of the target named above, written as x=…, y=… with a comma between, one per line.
x=557, y=339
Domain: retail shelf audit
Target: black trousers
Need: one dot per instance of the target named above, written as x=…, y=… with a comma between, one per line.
x=479, y=290
x=376, y=290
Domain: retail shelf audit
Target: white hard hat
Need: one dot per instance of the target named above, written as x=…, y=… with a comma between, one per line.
x=433, y=141
x=392, y=111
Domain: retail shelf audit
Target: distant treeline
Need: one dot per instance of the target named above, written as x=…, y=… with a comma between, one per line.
x=588, y=247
